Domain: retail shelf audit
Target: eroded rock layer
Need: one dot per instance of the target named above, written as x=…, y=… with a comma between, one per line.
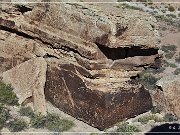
x=93, y=52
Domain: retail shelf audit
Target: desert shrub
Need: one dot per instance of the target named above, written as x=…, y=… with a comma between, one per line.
x=169, y=55
x=172, y=65
x=55, y=123
x=177, y=71
x=178, y=14
x=7, y=96
x=156, y=109
x=148, y=80
x=17, y=125
x=171, y=8
x=170, y=118
x=38, y=121
x=146, y=119
x=164, y=18
x=171, y=15
x=124, y=5
x=52, y=122
x=168, y=48
x=159, y=70
x=4, y=116
x=26, y=111
x=124, y=127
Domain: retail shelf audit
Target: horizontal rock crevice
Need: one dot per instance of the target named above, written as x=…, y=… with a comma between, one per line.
x=125, y=52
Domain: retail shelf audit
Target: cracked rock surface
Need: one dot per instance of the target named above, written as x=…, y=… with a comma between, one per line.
x=93, y=53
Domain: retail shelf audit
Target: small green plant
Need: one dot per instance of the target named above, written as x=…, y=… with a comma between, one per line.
x=156, y=109
x=148, y=80
x=7, y=96
x=124, y=5
x=164, y=18
x=168, y=48
x=38, y=121
x=124, y=127
x=171, y=8
x=159, y=70
x=4, y=116
x=170, y=118
x=172, y=65
x=169, y=55
x=17, y=125
x=177, y=71
x=171, y=15
x=146, y=119
x=52, y=122
x=55, y=123
x=26, y=111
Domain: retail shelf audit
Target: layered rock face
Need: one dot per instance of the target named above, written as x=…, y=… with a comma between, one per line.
x=93, y=52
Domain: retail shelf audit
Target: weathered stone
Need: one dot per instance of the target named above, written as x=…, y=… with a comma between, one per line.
x=93, y=52
x=91, y=101
x=28, y=80
x=170, y=86
x=84, y=37
x=14, y=50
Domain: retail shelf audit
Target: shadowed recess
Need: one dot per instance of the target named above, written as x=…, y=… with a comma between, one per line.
x=16, y=32
x=23, y=9
x=122, y=53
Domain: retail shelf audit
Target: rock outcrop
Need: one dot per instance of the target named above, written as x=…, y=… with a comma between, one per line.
x=28, y=80
x=170, y=86
x=93, y=52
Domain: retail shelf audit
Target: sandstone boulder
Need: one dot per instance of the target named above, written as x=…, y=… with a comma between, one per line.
x=28, y=80
x=170, y=86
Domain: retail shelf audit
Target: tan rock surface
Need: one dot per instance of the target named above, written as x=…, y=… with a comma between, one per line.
x=28, y=80
x=171, y=91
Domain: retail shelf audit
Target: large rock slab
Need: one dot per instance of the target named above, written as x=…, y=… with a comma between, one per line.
x=28, y=80
x=92, y=100
x=170, y=86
